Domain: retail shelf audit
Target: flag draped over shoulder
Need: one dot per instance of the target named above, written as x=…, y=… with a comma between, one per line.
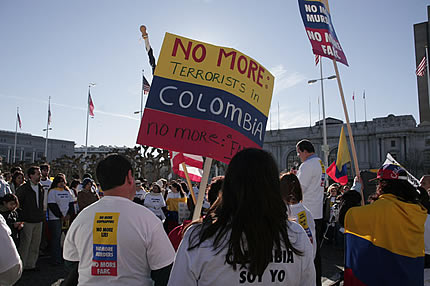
x=338, y=169
x=384, y=243
x=194, y=164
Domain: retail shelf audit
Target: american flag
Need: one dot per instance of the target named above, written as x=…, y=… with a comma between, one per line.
x=19, y=120
x=49, y=114
x=421, y=67
x=317, y=59
x=90, y=104
x=145, y=85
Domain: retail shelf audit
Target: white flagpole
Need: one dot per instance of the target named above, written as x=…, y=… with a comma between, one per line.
x=365, y=112
x=16, y=134
x=353, y=99
x=428, y=75
x=325, y=147
x=47, y=129
x=88, y=115
x=310, y=116
x=279, y=124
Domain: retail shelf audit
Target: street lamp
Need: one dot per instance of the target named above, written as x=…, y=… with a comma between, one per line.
x=325, y=148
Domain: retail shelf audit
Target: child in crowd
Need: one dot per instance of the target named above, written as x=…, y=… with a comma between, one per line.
x=87, y=195
x=291, y=193
x=9, y=205
x=61, y=209
x=154, y=200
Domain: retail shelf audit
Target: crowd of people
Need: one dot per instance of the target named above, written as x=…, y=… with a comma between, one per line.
x=257, y=226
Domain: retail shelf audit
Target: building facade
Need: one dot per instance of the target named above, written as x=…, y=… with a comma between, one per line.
x=30, y=148
x=398, y=135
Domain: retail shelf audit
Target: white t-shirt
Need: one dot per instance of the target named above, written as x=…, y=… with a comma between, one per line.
x=46, y=184
x=204, y=267
x=117, y=242
x=154, y=202
x=62, y=198
x=300, y=214
x=9, y=254
x=311, y=176
x=140, y=194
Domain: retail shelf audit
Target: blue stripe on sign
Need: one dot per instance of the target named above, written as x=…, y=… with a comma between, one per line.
x=207, y=103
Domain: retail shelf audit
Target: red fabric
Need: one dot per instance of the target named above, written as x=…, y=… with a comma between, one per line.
x=350, y=279
x=91, y=105
x=335, y=175
x=176, y=235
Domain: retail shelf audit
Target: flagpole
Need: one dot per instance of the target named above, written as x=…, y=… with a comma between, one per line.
x=325, y=147
x=190, y=186
x=141, y=96
x=310, y=116
x=279, y=125
x=365, y=112
x=353, y=99
x=88, y=115
x=47, y=125
x=428, y=75
x=348, y=125
x=16, y=134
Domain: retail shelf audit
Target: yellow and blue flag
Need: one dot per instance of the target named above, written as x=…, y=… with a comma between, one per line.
x=385, y=243
x=338, y=169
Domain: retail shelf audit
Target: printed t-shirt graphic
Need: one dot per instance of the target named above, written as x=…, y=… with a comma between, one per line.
x=105, y=244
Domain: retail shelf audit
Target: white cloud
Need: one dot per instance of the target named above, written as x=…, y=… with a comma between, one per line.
x=285, y=79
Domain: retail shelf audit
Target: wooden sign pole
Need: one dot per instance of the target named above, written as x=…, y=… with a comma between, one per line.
x=202, y=190
x=348, y=125
x=190, y=186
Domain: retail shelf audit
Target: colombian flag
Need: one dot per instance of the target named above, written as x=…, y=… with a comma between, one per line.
x=337, y=170
x=385, y=243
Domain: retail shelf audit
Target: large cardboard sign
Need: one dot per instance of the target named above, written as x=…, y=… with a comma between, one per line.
x=320, y=30
x=206, y=100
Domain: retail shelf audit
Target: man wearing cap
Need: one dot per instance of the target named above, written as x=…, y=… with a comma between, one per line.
x=385, y=240
x=116, y=241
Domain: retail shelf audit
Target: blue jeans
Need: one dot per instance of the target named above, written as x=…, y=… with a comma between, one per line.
x=55, y=229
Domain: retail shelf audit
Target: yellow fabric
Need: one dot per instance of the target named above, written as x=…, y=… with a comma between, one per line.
x=343, y=156
x=173, y=204
x=391, y=224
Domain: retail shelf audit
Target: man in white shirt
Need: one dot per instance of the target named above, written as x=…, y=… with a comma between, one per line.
x=115, y=241
x=311, y=176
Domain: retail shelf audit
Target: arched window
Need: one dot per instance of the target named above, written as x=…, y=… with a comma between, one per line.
x=292, y=160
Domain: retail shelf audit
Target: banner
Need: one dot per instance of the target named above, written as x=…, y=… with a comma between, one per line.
x=320, y=30
x=206, y=100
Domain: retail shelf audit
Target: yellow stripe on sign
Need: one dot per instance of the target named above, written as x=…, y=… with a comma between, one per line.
x=105, y=228
x=223, y=68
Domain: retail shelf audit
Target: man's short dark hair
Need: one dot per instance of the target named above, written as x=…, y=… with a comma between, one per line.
x=44, y=166
x=112, y=171
x=32, y=170
x=305, y=145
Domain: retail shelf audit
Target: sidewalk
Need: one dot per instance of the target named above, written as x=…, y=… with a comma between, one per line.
x=332, y=264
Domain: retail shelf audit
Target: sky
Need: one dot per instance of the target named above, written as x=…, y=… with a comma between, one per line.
x=55, y=48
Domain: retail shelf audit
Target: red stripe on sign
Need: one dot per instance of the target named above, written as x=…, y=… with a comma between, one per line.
x=190, y=135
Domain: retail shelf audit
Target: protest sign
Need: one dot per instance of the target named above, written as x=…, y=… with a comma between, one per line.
x=320, y=30
x=207, y=100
